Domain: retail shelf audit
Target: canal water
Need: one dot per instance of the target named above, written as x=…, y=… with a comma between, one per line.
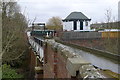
x=96, y=60
x=99, y=61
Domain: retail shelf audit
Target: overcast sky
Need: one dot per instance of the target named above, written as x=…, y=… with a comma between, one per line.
x=45, y=9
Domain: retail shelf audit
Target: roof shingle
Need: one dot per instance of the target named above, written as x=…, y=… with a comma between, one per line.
x=76, y=16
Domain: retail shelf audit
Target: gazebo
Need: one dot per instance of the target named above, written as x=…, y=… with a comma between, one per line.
x=76, y=21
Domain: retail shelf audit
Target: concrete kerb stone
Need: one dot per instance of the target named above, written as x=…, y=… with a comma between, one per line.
x=57, y=47
x=54, y=47
x=61, y=50
x=38, y=69
x=66, y=54
x=64, y=51
x=49, y=44
x=88, y=71
x=74, y=63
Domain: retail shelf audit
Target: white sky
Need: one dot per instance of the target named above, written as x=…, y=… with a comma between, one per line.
x=45, y=9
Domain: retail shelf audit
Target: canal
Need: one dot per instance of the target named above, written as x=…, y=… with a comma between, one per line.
x=98, y=61
x=95, y=59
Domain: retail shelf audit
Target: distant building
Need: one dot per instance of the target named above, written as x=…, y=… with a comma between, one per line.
x=111, y=25
x=76, y=21
x=119, y=11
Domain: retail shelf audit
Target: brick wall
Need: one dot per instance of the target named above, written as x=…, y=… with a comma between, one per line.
x=103, y=44
x=32, y=64
x=55, y=66
x=61, y=67
x=93, y=43
x=49, y=63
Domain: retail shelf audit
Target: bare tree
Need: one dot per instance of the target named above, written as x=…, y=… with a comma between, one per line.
x=111, y=22
x=13, y=27
x=108, y=15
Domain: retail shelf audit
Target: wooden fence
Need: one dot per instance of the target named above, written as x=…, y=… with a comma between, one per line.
x=111, y=34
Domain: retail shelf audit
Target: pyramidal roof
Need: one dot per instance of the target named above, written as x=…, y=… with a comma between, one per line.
x=76, y=16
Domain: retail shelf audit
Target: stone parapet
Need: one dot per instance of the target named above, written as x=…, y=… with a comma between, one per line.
x=74, y=63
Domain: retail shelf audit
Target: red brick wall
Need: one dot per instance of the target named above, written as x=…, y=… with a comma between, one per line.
x=49, y=65
x=61, y=67
x=103, y=44
x=56, y=64
x=94, y=43
x=32, y=64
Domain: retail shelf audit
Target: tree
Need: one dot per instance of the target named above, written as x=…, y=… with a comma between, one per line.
x=110, y=21
x=14, y=41
x=13, y=31
x=108, y=15
x=54, y=23
x=10, y=73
